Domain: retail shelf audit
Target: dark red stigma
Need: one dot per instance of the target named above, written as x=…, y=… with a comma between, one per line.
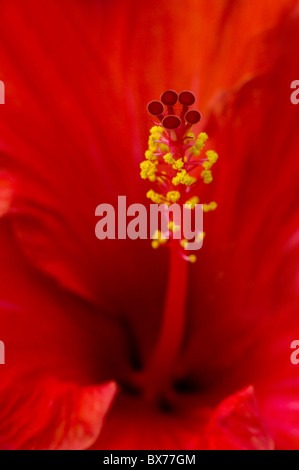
x=173, y=111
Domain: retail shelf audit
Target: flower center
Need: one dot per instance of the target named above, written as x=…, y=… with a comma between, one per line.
x=176, y=163
x=173, y=159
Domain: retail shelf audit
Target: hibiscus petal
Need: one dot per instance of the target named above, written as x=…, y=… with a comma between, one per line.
x=61, y=125
x=54, y=416
x=237, y=425
x=57, y=350
x=44, y=136
x=246, y=276
x=6, y=194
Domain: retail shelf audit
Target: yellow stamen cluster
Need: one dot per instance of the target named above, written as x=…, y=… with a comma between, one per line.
x=173, y=196
x=149, y=165
x=176, y=164
x=182, y=177
x=199, y=144
x=207, y=176
x=170, y=198
x=149, y=155
x=155, y=134
x=189, y=136
x=155, y=197
x=164, y=148
x=148, y=170
x=169, y=159
x=170, y=166
x=212, y=158
x=210, y=207
x=192, y=202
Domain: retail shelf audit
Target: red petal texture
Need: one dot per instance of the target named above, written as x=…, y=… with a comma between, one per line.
x=54, y=416
x=237, y=425
x=46, y=401
x=253, y=255
x=69, y=134
x=74, y=310
x=132, y=424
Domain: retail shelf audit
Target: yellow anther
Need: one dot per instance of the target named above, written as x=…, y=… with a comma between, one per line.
x=184, y=243
x=192, y=258
x=199, y=144
x=153, y=147
x=150, y=156
x=194, y=200
x=152, y=142
x=178, y=164
x=155, y=197
x=173, y=196
x=152, y=138
x=194, y=151
x=201, y=140
x=156, y=132
x=207, y=165
x=212, y=156
x=190, y=135
x=156, y=129
x=169, y=159
x=190, y=180
x=182, y=177
x=164, y=148
x=148, y=170
x=207, y=176
x=155, y=244
x=210, y=207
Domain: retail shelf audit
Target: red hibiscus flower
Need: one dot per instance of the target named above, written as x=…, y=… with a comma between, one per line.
x=111, y=344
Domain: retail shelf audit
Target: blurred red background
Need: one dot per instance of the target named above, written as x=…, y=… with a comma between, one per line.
x=80, y=317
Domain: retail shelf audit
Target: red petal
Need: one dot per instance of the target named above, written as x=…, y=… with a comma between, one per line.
x=247, y=272
x=59, y=148
x=55, y=347
x=52, y=416
x=75, y=114
x=237, y=425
